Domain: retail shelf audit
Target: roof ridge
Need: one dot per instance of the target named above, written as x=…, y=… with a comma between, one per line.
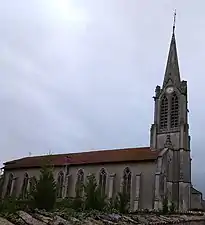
x=89, y=157
x=77, y=153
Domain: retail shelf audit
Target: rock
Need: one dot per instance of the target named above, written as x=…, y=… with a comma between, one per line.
x=111, y=218
x=5, y=222
x=165, y=219
x=43, y=218
x=29, y=219
x=74, y=220
x=91, y=221
x=59, y=220
x=130, y=220
x=15, y=219
x=142, y=220
x=114, y=217
x=44, y=213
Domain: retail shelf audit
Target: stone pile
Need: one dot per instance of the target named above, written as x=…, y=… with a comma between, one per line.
x=62, y=218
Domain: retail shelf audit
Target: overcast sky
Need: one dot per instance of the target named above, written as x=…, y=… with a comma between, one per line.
x=79, y=75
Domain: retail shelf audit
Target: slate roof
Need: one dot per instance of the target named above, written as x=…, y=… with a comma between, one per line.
x=92, y=157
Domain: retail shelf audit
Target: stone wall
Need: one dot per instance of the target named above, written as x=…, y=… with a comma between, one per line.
x=141, y=189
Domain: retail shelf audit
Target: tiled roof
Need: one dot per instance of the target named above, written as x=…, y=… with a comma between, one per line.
x=92, y=157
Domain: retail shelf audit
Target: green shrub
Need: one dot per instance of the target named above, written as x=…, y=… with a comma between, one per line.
x=172, y=208
x=121, y=202
x=111, y=206
x=94, y=198
x=44, y=196
x=78, y=203
x=11, y=205
x=64, y=203
x=8, y=205
x=165, y=208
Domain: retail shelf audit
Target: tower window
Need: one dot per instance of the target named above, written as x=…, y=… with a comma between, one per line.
x=174, y=111
x=164, y=113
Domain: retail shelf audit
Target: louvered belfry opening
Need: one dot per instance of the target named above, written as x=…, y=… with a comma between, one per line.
x=169, y=112
x=174, y=120
x=164, y=113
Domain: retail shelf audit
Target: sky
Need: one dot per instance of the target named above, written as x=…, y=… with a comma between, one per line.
x=79, y=75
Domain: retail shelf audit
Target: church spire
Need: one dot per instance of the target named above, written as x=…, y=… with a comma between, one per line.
x=172, y=73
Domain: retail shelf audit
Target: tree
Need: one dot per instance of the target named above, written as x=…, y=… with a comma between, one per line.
x=165, y=207
x=121, y=202
x=94, y=198
x=172, y=207
x=44, y=195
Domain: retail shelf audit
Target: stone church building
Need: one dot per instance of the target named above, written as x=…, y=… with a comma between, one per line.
x=146, y=173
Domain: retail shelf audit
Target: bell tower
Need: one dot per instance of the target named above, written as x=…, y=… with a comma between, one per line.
x=171, y=123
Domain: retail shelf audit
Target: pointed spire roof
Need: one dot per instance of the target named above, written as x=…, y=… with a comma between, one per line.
x=172, y=73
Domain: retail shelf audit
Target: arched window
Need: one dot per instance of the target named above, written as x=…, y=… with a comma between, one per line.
x=60, y=185
x=174, y=111
x=127, y=176
x=24, y=189
x=15, y=187
x=164, y=113
x=79, y=183
x=1, y=184
x=33, y=183
x=102, y=181
x=9, y=185
x=68, y=185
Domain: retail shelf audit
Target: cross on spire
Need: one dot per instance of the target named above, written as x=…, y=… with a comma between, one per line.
x=174, y=23
x=172, y=68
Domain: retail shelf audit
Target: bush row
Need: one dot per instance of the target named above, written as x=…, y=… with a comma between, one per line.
x=43, y=196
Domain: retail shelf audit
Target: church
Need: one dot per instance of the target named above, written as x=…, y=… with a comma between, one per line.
x=148, y=174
